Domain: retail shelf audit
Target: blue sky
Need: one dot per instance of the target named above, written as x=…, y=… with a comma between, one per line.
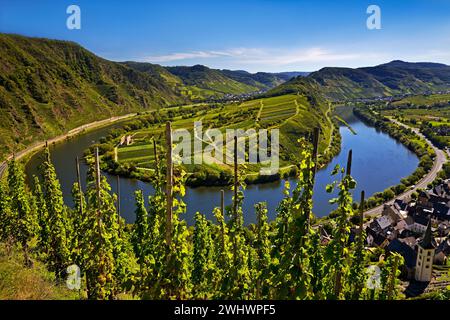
x=263, y=35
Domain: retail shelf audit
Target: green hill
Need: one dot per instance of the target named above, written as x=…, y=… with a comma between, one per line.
x=49, y=86
x=199, y=82
x=261, y=80
x=396, y=77
x=203, y=82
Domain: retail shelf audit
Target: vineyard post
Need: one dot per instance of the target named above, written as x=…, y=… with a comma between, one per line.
x=338, y=279
x=97, y=176
x=361, y=215
x=235, y=200
x=156, y=159
x=222, y=202
x=98, y=187
x=360, y=239
x=313, y=169
x=48, y=153
x=169, y=183
x=79, y=185
x=315, y=151
x=118, y=195
x=222, y=209
x=236, y=178
x=349, y=163
x=259, y=222
x=118, y=203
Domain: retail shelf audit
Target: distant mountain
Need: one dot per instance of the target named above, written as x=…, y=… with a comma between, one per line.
x=286, y=76
x=202, y=82
x=49, y=86
x=262, y=80
x=392, y=78
x=207, y=82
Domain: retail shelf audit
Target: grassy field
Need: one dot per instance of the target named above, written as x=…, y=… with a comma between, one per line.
x=291, y=114
x=20, y=283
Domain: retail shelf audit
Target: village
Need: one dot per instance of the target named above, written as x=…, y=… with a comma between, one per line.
x=418, y=229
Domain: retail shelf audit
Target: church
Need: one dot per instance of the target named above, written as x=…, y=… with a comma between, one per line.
x=425, y=256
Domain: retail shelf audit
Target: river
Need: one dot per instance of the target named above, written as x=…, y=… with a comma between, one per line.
x=379, y=162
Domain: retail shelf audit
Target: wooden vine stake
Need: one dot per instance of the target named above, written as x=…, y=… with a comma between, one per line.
x=360, y=237
x=98, y=188
x=316, y=139
x=361, y=216
x=222, y=209
x=48, y=153
x=118, y=206
x=235, y=199
x=169, y=183
x=222, y=202
x=349, y=163
x=155, y=152
x=315, y=152
x=77, y=161
x=236, y=179
x=97, y=176
x=338, y=279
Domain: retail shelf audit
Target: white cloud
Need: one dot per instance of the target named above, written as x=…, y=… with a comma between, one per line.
x=305, y=59
x=186, y=56
x=287, y=57
x=263, y=56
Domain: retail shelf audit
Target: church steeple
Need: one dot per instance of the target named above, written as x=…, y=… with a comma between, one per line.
x=427, y=241
x=425, y=256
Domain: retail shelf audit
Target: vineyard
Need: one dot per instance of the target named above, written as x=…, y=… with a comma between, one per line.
x=161, y=257
x=292, y=115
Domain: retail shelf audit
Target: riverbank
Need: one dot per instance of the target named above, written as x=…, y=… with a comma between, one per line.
x=29, y=151
x=440, y=160
x=431, y=160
